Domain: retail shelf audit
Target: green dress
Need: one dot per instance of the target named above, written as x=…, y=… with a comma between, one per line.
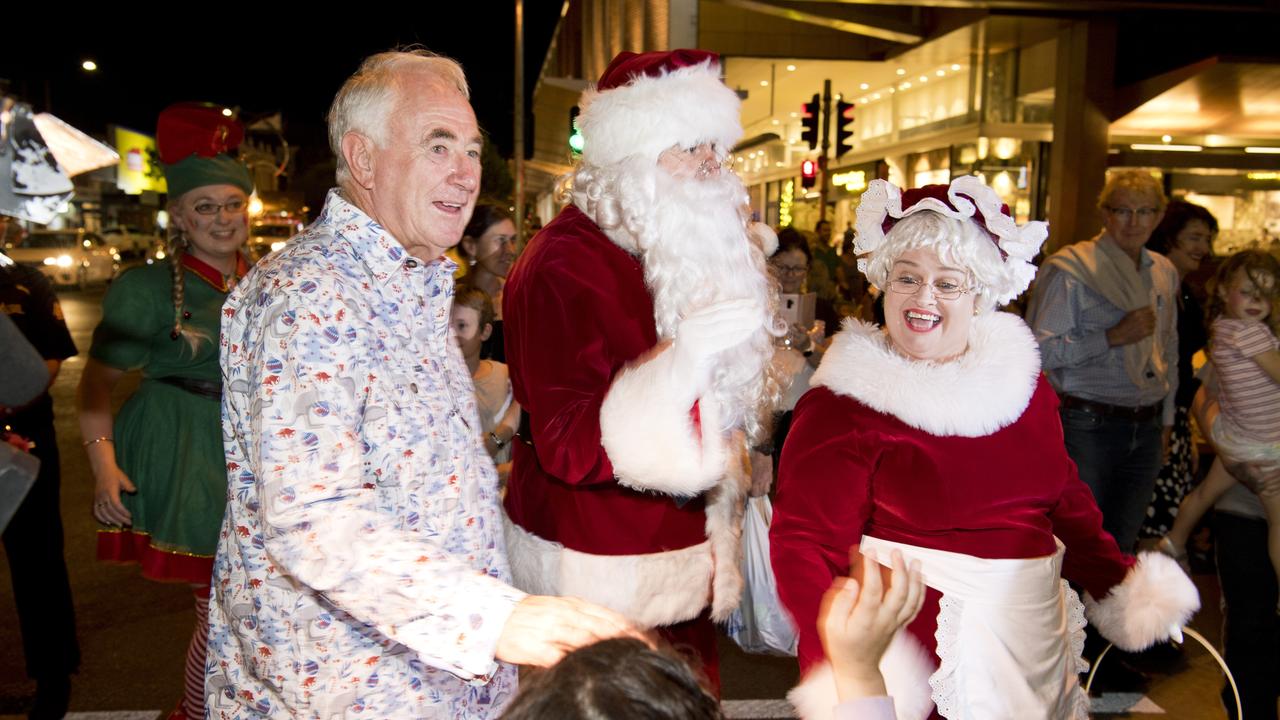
x=168, y=440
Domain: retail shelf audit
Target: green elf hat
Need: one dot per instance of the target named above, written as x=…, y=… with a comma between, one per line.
x=193, y=140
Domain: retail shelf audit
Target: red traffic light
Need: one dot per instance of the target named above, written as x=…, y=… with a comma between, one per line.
x=808, y=174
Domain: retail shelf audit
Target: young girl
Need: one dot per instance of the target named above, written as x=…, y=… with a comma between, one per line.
x=472, y=320
x=1243, y=316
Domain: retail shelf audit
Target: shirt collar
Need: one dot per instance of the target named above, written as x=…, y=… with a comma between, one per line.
x=212, y=275
x=385, y=257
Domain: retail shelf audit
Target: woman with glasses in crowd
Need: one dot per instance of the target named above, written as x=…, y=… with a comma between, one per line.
x=938, y=437
x=159, y=470
x=489, y=247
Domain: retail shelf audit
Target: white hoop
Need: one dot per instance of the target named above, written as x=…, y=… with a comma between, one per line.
x=1207, y=646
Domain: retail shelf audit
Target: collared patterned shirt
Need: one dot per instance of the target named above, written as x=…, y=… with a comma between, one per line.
x=360, y=570
x=1071, y=326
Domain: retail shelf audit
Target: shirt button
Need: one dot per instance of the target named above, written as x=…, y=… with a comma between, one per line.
x=411, y=263
x=413, y=387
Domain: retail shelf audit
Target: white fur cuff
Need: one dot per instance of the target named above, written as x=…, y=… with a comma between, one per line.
x=906, y=668
x=647, y=429
x=1151, y=605
x=654, y=589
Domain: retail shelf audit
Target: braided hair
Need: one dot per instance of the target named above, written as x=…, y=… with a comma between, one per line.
x=176, y=248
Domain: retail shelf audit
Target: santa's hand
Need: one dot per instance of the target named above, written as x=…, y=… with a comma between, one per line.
x=541, y=629
x=705, y=333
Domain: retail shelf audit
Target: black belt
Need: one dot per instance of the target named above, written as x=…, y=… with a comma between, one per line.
x=211, y=389
x=1137, y=414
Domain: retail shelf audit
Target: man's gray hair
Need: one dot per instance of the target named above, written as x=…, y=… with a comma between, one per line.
x=1139, y=181
x=366, y=99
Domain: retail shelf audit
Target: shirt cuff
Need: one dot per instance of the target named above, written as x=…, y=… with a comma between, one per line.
x=491, y=603
x=869, y=708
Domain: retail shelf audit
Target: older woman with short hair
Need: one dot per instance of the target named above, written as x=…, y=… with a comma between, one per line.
x=938, y=436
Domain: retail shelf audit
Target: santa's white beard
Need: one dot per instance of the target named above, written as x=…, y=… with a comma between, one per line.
x=696, y=251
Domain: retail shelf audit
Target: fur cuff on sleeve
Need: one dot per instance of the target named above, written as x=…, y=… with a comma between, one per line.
x=906, y=667
x=1150, y=605
x=646, y=427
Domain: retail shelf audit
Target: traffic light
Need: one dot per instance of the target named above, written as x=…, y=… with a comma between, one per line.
x=844, y=127
x=575, y=135
x=809, y=119
x=808, y=174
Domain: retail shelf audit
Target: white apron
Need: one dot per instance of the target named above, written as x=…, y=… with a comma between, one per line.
x=1010, y=635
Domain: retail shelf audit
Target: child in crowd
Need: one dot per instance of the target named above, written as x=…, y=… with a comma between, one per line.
x=472, y=321
x=625, y=678
x=1244, y=350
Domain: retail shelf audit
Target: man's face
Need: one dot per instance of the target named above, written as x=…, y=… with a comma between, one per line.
x=684, y=163
x=426, y=178
x=1130, y=216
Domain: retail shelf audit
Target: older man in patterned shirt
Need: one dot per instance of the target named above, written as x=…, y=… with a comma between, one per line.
x=361, y=569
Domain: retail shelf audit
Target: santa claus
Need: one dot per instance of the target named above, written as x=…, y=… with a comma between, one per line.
x=640, y=324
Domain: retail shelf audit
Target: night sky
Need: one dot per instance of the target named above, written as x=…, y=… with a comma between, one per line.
x=260, y=63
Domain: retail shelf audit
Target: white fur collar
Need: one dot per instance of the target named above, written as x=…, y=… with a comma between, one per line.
x=982, y=391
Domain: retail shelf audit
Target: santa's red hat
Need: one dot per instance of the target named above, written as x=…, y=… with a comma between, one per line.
x=645, y=103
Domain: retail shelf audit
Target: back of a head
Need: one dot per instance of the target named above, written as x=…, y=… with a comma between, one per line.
x=619, y=678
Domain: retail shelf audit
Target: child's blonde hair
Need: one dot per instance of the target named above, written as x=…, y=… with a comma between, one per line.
x=1262, y=269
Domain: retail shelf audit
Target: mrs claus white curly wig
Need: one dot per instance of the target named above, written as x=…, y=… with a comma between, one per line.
x=958, y=243
x=965, y=223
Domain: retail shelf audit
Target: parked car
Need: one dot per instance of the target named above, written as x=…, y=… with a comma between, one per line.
x=68, y=257
x=129, y=242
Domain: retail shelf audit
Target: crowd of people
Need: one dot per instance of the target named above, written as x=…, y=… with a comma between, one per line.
x=394, y=462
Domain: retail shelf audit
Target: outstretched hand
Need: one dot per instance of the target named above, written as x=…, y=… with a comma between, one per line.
x=856, y=622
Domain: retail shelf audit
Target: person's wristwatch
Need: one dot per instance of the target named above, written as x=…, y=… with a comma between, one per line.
x=497, y=441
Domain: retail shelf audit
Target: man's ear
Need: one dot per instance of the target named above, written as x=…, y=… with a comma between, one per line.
x=488, y=330
x=358, y=151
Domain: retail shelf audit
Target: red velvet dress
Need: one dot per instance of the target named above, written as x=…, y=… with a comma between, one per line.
x=988, y=478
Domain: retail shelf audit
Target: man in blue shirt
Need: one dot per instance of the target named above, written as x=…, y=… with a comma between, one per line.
x=1104, y=313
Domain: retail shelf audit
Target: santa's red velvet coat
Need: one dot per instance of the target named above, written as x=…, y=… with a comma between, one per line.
x=965, y=457
x=593, y=512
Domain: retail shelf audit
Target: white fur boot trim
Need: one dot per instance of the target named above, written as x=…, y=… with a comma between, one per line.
x=647, y=429
x=1150, y=605
x=651, y=589
x=906, y=667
